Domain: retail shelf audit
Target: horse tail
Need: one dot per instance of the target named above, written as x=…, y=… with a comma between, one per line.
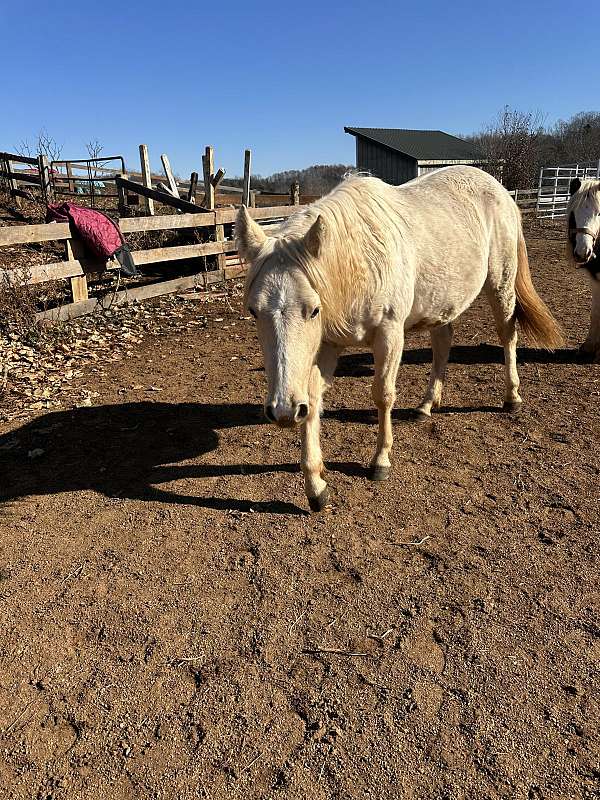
x=531, y=312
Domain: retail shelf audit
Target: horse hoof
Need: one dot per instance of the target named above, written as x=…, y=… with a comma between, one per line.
x=421, y=416
x=512, y=406
x=318, y=503
x=379, y=473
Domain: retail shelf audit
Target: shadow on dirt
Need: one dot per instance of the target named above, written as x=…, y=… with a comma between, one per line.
x=360, y=365
x=123, y=450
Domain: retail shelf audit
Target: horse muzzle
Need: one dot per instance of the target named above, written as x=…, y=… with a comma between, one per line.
x=583, y=260
x=286, y=416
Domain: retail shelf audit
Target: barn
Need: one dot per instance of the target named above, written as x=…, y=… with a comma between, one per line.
x=397, y=155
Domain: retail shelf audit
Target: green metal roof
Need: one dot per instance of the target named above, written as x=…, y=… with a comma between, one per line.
x=421, y=145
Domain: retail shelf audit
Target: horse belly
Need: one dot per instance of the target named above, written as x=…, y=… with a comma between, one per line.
x=442, y=298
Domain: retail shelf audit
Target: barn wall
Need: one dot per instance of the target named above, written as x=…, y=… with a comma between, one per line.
x=384, y=163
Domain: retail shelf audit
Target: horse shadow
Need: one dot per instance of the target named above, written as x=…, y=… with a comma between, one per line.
x=360, y=365
x=123, y=450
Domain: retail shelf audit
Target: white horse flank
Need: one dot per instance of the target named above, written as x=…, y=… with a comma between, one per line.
x=368, y=262
x=583, y=215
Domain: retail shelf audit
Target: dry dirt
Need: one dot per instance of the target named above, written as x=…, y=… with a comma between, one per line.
x=166, y=599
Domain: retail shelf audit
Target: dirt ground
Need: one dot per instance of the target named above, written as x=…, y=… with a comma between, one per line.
x=166, y=599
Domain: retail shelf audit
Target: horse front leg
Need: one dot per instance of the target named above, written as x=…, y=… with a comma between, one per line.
x=387, y=352
x=321, y=377
x=591, y=346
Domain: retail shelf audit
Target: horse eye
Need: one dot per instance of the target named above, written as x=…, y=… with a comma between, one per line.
x=253, y=312
x=315, y=312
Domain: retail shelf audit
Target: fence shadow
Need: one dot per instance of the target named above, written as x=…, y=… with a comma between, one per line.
x=123, y=450
x=360, y=365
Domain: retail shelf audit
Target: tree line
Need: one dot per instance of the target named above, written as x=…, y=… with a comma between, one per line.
x=518, y=144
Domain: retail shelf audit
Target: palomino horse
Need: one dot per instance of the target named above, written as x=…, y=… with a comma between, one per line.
x=583, y=215
x=365, y=264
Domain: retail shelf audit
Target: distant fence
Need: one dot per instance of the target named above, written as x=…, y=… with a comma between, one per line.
x=553, y=188
x=93, y=176
x=33, y=172
x=82, y=270
x=526, y=199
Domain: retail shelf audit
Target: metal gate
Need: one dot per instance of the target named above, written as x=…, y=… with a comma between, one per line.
x=553, y=189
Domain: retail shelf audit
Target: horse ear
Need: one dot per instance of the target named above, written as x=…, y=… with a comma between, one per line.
x=574, y=186
x=314, y=237
x=249, y=236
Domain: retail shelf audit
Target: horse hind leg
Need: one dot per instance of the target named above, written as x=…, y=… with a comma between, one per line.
x=502, y=299
x=441, y=342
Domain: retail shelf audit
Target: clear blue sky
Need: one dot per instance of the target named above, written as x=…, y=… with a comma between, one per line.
x=283, y=77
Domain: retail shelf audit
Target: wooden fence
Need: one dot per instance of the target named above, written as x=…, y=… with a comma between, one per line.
x=80, y=269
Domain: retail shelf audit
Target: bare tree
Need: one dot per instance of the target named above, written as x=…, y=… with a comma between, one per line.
x=44, y=144
x=94, y=148
x=511, y=145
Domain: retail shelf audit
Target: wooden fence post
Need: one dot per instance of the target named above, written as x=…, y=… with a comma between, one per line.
x=210, y=182
x=79, y=287
x=70, y=175
x=45, y=179
x=247, y=170
x=208, y=168
x=11, y=183
x=146, y=177
x=169, y=173
x=295, y=194
x=122, y=196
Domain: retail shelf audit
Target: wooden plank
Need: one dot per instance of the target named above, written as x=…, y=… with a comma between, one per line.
x=166, y=222
x=169, y=173
x=160, y=197
x=191, y=195
x=247, y=171
x=217, y=178
x=28, y=234
x=208, y=166
x=146, y=178
x=159, y=254
x=41, y=273
x=19, y=159
x=74, y=310
x=225, y=215
x=15, y=177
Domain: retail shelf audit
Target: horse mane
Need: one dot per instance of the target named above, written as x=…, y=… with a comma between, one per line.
x=588, y=188
x=363, y=223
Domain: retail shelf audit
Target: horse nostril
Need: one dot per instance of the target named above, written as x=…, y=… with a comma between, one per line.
x=302, y=411
x=269, y=414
